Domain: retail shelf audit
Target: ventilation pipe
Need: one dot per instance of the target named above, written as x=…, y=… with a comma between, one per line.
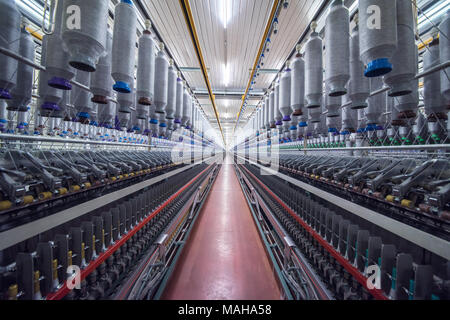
x=376, y=104
x=334, y=124
x=141, y=110
x=313, y=69
x=124, y=119
x=444, y=48
x=271, y=101
x=298, y=83
x=3, y=116
x=378, y=35
x=362, y=123
x=107, y=114
x=179, y=100
x=404, y=59
x=434, y=104
x=332, y=105
x=408, y=104
x=278, y=116
x=258, y=124
x=124, y=46
x=21, y=93
x=101, y=80
x=58, y=68
x=162, y=125
x=146, y=67
x=349, y=116
x=9, y=33
x=49, y=97
x=258, y=116
x=172, y=92
x=81, y=99
x=153, y=121
x=420, y=129
x=187, y=101
x=315, y=113
x=22, y=121
x=285, y=93
x=293, y=128
x=267, y=110
x=161, y=80
x=126, y=101
x=337, y=71
x=359, y=84
x=84, y=32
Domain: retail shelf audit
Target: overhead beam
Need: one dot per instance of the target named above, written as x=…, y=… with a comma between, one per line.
x=261, y=48
x=187, y=12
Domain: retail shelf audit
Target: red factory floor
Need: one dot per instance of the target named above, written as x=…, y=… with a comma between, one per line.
x=224, y=257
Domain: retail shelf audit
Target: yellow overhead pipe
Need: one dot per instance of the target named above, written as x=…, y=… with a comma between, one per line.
x=34, y=33
x=187, y=12
x=261, y=48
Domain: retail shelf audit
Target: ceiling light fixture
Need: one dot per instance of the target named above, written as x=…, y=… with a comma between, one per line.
x=226, y=74
x=226, y=12
x=428, y=15
x=353, y=6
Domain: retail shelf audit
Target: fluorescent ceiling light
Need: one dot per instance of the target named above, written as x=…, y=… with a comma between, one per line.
x=226, y=74
x=438, y=8
x=225, y=12
x=353, y=6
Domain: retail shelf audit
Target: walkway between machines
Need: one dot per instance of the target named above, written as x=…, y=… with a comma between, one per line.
x=224, y=257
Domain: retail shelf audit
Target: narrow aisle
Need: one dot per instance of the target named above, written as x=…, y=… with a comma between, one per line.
x=224, y=257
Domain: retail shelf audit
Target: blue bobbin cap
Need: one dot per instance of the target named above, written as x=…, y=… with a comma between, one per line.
x=371, y=127
x=94, y=123
x=163, y=125
x=127, y=2
x=136, y=128
x=303, y=124
x=332, y=130
x=4, y=94
x=378, y=68
x=50, y=106
x=293, y=128
x=345, y=132
x=83, y=115
x=60, y=83
x=122, y=87
x=154, y=121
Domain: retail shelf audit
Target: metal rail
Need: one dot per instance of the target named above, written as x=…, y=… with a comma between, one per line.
x=404, y=147
x=64, y=290
x=425, y=240
x=21, y=233
x=376, y=293
x=15, y=137
x=313, y=279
